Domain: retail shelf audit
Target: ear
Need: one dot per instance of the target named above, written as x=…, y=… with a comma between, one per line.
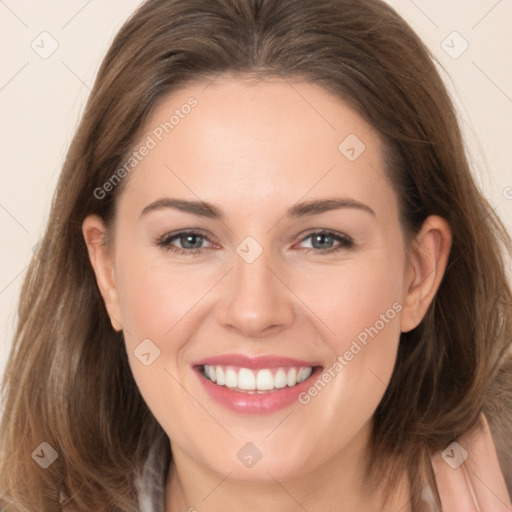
x=100, y=254
x=427, y=260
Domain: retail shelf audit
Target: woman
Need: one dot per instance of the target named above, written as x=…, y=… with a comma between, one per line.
x=258, y=368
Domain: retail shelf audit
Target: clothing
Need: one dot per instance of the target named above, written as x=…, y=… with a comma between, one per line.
x=151, y=483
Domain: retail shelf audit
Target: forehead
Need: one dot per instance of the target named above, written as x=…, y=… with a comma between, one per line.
x=255, y=143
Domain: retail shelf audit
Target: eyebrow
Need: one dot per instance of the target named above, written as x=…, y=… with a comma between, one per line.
x=208, y=210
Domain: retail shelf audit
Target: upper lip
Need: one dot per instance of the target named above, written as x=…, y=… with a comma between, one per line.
x=256, y=362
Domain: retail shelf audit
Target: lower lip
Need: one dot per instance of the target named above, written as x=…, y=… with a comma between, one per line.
x=255, y=403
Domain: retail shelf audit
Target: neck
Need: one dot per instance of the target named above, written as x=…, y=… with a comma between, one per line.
x=338, y=484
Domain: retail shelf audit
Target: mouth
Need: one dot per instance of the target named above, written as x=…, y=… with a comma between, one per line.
x=255, y=385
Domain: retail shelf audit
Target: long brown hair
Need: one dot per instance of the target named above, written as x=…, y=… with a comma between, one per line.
x=68, y=382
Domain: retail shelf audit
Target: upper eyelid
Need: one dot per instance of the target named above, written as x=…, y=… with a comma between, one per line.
x=339, y=237
x=192, y=231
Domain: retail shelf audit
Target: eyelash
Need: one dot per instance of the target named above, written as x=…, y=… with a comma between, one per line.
x=165, y=242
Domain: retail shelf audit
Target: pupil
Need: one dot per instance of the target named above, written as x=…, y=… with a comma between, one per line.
x=192, y=237
x=321, y=237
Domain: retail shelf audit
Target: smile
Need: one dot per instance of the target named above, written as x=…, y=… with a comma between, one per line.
x=255, y=384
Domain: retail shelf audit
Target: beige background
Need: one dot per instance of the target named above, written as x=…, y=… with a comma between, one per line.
x=41, y=100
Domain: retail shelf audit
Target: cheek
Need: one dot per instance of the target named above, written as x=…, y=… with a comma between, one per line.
x=355, y=298
x=360, y=312
x=159, y=302
x=157, y=309
x=154, y=298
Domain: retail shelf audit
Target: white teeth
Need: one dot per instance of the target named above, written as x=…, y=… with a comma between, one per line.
x=265, y=380
x=292, y=377
x=303, y=374
x=256, y=380
x=221, y=381
x=246, y=379
x=231, y=378
x=280, y=379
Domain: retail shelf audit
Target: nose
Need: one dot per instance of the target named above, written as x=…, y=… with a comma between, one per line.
x=257, y=300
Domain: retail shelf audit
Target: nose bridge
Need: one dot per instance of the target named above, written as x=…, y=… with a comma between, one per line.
x=255, y=298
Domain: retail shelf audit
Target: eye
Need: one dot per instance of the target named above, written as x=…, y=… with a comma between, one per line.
x=190, y=241
x=322, y=242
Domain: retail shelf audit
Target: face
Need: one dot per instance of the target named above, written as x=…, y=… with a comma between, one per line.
x=260, y=276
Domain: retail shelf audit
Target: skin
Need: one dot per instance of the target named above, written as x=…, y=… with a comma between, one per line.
x=254, y=149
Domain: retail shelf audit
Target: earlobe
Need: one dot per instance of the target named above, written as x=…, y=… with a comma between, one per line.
x=94, y=232
x=427, y=261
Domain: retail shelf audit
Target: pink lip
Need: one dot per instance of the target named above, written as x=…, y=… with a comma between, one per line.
x=255, y=362
x=254, y=403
